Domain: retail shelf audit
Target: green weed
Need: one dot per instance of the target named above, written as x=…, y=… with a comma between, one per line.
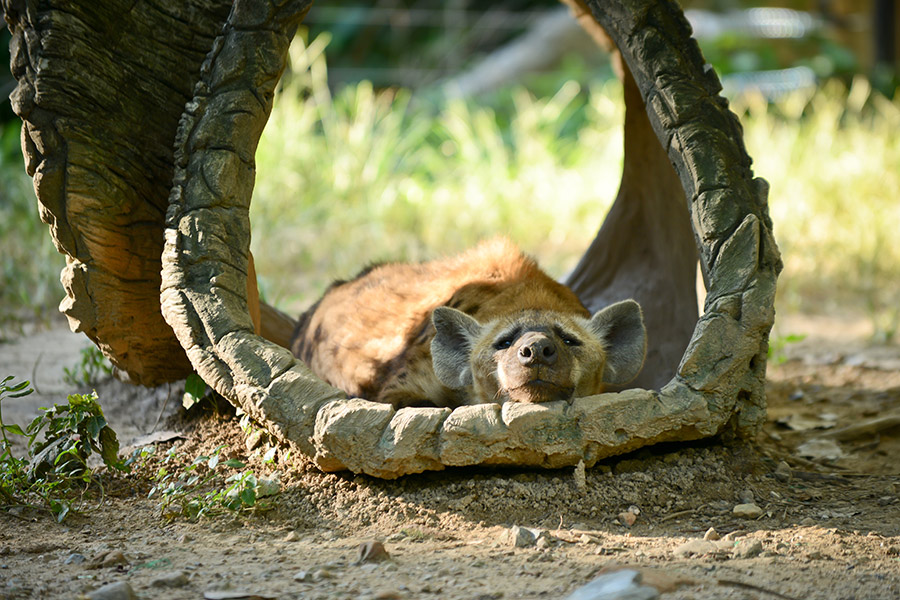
x=55, y=475
x=29, y=262
x=91, y=369
x=207, y=485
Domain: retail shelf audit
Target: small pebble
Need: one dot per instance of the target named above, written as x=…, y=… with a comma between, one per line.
x=746, y=497
x=120, y=590
x=748, y=549
x=695, y=548
x=75, y=559
x=292, y=536
x=520, y=537
x=255, y=440
x=711, y=535
x=112, y=558
x=174, y=579
x=627, y=518
x=783, y=472
x=747, y=511
x=268, y=487
x=371, y=551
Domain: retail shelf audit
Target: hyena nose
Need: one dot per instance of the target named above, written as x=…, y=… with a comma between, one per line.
x=537, y=349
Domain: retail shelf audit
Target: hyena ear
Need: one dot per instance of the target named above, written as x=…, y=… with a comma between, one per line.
x=451, y=347
x=620, y=327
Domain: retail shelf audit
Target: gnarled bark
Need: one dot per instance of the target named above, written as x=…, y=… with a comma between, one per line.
x=719, y=380
x=102, y=162
x=101, y=156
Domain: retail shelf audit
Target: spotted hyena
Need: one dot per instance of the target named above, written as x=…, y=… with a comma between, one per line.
x=485, y=326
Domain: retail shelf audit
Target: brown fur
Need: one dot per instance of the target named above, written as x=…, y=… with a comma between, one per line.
x=372, y=336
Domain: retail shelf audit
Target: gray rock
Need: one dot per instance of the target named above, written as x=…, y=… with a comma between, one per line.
x=748, y=549
x=747, y=511
x=521, y=537
x=173, y=579
x=120, y=590
x=783, y=472
x=268, y=487
x=75, y=559
x=695, y=548
x=621, y=585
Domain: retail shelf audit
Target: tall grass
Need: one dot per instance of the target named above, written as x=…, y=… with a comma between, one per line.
x=372, y=175
x=369, y=176
x=29, y=263
x=833, y=160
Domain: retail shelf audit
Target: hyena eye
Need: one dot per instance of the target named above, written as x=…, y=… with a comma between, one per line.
x=568, y=340
x=502, y=343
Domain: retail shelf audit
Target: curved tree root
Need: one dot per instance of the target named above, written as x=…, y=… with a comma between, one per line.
x=718, y=382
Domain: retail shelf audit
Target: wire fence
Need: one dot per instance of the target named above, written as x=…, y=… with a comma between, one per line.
x=415, y=43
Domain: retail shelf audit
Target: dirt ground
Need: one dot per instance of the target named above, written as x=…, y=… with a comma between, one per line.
x=824, y=474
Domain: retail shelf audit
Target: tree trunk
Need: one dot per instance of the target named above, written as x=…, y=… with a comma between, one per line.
x=645, y=249
x=100, y=90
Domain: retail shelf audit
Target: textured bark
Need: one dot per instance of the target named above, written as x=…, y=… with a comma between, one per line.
x=719, y=381
x=101, y=88
x=657, y=266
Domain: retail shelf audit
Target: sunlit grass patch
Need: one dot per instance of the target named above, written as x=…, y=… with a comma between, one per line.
x=833, y=161
x=29, y=263
x=370, y=176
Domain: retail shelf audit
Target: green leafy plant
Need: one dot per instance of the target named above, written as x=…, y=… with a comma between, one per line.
x=194, y=391
x=92, y=368
x=777, y=345
x=59, y=442
x=206, y=486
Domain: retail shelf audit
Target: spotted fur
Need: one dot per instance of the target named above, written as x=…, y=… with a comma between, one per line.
x=485, y=326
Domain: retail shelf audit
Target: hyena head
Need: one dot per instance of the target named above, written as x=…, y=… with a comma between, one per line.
x=538, y=355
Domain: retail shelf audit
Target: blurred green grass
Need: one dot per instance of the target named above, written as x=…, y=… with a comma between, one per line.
x=368, y=176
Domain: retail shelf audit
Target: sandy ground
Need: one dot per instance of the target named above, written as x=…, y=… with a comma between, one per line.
x=828, y=524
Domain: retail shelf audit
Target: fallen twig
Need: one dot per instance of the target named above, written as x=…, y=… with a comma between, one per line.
x=755, y=588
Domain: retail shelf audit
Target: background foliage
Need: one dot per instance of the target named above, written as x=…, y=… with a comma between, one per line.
x=352, y=174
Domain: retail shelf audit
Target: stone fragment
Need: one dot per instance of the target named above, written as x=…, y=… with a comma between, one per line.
x=748, y=549
x=579, y=476
x=120, y=590
x=255, y=440
x=371, y=551
x=747, y=511
x=695, y=548
x=620, y=585
x=174, y=579
x=711, y=535
x=112, y=558
x=75, y=559
x=822, y=449
x=783, y=472
x=268, y=487
x=627, y=518
x=746, y=497
x=520, y=537
x=292, y=536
